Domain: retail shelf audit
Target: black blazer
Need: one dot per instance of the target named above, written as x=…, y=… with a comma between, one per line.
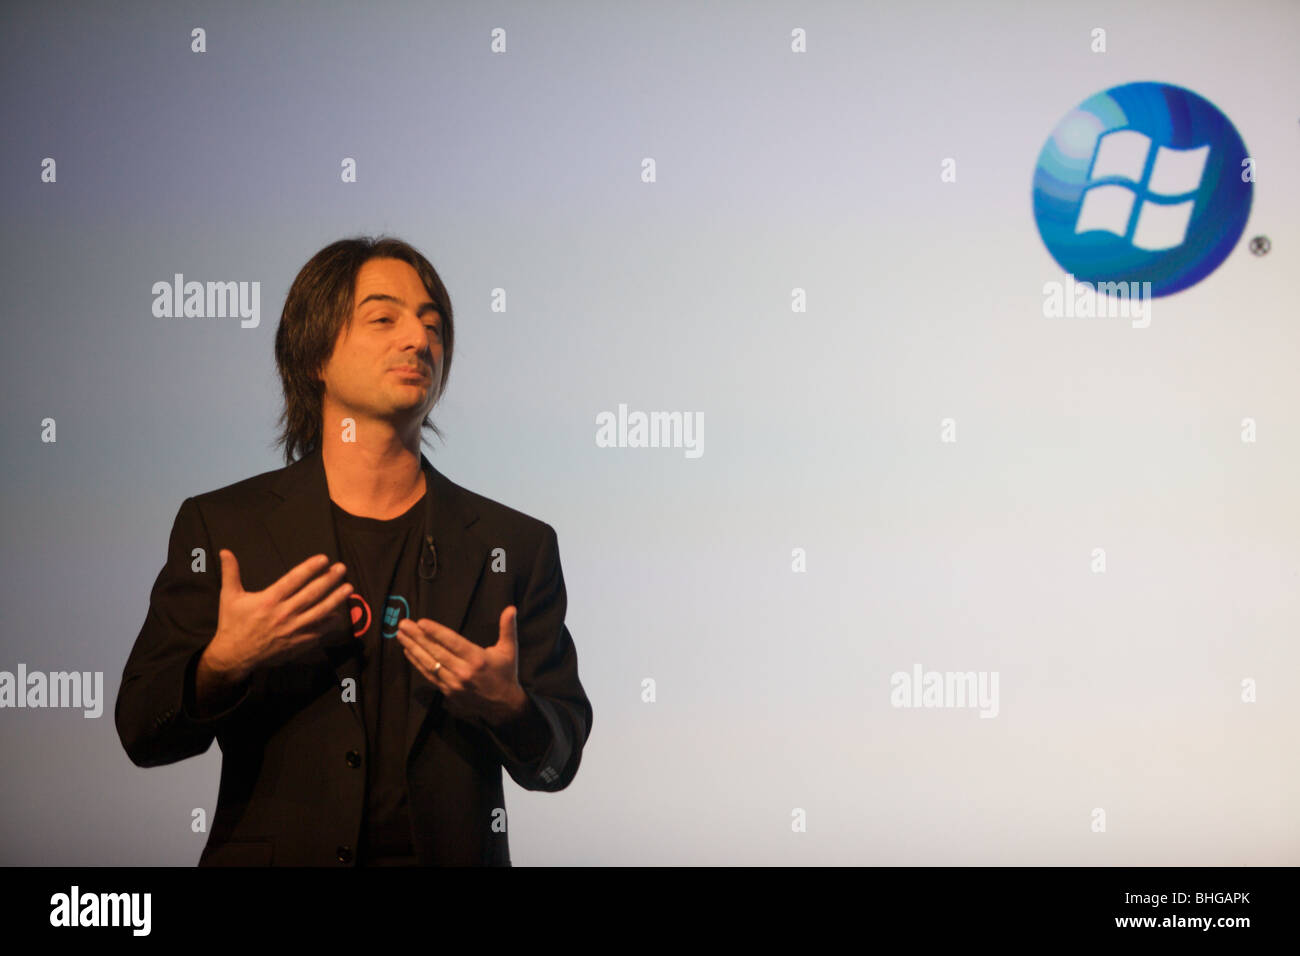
x=292, y=771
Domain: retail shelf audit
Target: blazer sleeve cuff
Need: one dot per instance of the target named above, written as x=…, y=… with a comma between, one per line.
x=188, y=704
x=533, y=746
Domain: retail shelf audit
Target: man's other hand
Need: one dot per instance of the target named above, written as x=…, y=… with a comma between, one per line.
x=476, y=681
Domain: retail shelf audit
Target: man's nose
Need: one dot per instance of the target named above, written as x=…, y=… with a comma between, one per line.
x=415, y=334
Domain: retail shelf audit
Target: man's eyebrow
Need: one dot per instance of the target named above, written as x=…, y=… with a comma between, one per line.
x=424, y=309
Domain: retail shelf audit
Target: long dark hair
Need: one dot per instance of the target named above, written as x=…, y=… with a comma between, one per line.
x=318, y=306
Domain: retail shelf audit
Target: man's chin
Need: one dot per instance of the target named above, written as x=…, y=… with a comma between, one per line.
x=416, y=410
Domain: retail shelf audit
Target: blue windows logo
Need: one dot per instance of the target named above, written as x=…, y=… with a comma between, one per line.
x=1143, y=182
x=395, y=608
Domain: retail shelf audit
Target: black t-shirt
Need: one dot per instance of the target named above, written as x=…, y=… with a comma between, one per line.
x=382, y=558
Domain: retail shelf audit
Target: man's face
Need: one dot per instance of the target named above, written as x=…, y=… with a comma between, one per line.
x=394, y=327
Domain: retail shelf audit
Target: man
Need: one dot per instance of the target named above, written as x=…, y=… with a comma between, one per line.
x=365, y=706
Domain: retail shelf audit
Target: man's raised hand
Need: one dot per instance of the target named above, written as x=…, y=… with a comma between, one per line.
x=256, y=628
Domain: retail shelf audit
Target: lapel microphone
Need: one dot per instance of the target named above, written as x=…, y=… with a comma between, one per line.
x=428, y=559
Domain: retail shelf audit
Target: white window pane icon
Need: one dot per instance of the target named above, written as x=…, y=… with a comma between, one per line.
x=1178, y=171
x=1107, y=208
x=1162, y=227
x=1122, y=153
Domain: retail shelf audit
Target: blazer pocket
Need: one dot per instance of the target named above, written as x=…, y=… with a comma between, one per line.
x=238, y=853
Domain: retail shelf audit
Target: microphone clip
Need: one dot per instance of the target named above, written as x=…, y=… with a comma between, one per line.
x=428, y=566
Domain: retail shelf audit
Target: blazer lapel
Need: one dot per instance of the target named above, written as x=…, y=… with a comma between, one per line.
x=445, y=598
x=302, y=525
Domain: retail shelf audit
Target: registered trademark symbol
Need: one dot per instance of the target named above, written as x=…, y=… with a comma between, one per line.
x=1260, y=245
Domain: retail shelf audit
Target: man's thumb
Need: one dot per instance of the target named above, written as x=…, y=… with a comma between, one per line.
x=229, y=570
x=509, y=637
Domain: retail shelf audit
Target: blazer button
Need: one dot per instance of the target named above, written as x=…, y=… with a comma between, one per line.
x=345, y=854
x=353, y=759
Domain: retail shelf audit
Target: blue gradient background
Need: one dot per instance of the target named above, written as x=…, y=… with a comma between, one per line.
x=775, y=171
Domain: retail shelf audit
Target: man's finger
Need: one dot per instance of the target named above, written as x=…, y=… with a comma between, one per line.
x=466, y=653
x=465, y=649
x=323, y=611
x=427, y=665
x=420, y=648
x=418, y=664
x=316, y=591
x=295, y=578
